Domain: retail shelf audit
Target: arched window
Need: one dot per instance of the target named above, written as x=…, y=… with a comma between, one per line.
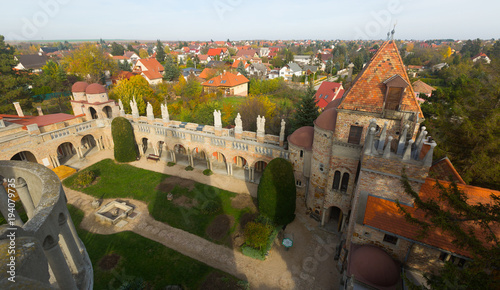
x=336, y=180
x=345, y=182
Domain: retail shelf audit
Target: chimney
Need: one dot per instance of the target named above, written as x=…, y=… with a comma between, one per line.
x=18, y=109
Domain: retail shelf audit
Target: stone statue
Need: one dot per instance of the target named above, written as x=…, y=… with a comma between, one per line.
x=261, y=122
x=120, y=104
x=164, y=112
x=283, y=123
x=133, y=106
x=238, y=122
x=217, y=119
x=149, y=109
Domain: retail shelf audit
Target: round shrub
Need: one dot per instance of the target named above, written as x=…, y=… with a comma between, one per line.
x=189, y=168
x=170, y=164
x=85, y=178
x=257, y=234
x=123, y=138
x=276, y=192
x=207, y=172
x=210, y=207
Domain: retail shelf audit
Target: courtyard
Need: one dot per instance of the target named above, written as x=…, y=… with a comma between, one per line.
x=177, y=225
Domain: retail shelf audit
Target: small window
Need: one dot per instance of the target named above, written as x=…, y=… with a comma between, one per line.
x=336, y=180
x=355, y=135
x=210, y=82
x=461, y=263
x=326, y=97
x=390, y=239
x=321, y=167
x=320, y=95
x=301, y=153
x=223, y=82
x=345, y=182
x=298, y=183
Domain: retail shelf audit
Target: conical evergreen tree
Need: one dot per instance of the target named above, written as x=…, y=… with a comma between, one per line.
x=307, y=110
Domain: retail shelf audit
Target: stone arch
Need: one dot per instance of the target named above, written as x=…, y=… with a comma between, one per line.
x=259, y=165
x=332, y=219
x=62, y=218
x=49, y=242
x=218, y=162
x=241, y=167
x=93, y=113
x=65, y=152
x=181, y=154
x=341, y=179
x=107, y=112
x=24, y=156
x=200, y=158
x=88, y=143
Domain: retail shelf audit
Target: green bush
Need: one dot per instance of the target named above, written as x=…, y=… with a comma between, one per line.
x=170, y=164
x=84, y=178
x=210, y=207
x=256, y=234
x=260, y=254
x=123, y=138
x=207, y=172
x=276, y=193
x=189, y=168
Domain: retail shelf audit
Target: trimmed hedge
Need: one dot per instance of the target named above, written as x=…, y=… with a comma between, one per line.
x=207, y=172
x=85, y=178
x=123, y=138
x=276, y=192
x=260, y=254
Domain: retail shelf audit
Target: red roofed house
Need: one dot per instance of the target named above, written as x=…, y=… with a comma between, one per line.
x=327, y=92
x=150, y=69
x=348, y=169
x=231, y=84
x=483, y=57
x=221, y=52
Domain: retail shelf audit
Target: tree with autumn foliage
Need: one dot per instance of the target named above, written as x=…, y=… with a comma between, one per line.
x=475, y=228
x=256, y=106
x=89, y=61
x=137, y=87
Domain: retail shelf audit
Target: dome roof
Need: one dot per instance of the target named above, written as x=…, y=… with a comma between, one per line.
x=79, y=87
x=373, y=266
x=95, y=88
x=327, y=120
x=302, y=137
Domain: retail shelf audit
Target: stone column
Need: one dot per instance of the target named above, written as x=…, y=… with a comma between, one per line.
x=58, y=264
x=72, y=228
x=70, y=247
x=24, y=195
x=252, y=173
x=4, y=208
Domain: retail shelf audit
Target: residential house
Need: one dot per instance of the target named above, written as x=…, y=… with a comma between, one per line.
x=482, y=57
x=290, y=70
x=251, y=53
x=33, y=62
x=258, y=70
x=273, y=74
x=47, y=50
x=422, y=88
x=150, y=69
x=131, y=56
x=328, y=92
x=310, y=69
x=204, y=58
x=302, y=59
x=221, y=53
x=414, y=69
x=208, y=73
x=121, y=75
x=231, y=84
x=191, y=72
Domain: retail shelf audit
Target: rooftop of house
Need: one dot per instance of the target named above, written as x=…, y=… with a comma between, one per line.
x=32, y=61
x=421, y=87
x=369, y=88
x=216, y=51
x=443, y=169
x=226, y=79
x=327, y=92
x=151, y=64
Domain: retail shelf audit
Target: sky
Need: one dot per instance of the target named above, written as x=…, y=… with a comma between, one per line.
x=170, y=20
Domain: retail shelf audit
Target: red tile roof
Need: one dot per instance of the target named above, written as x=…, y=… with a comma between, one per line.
x=368, y=91
x=226, y=80
x=236, y=63
x=216, y=51
x=39, y=120
x=152, y=75
x=151, y=64
x=249, y=52
x=384, y=215
x=444, y=170
x=421, y=87
x=207, y=72
x=327, y=92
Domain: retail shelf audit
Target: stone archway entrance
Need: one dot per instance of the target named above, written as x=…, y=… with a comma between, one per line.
x=199, y=158
x=108, y=112
x=332, y=219
x=241, y=168
x=93, y=113
x=219, y=164
x=258, y=169
x=24, y=156
x=181, y=156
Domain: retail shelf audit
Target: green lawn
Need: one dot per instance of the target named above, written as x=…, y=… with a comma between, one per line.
x=144, y=263
x=125, y=181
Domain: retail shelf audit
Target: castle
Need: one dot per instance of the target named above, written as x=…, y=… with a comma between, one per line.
x=347, y=167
